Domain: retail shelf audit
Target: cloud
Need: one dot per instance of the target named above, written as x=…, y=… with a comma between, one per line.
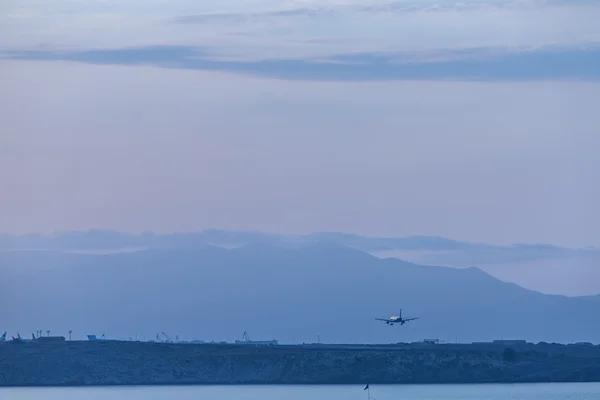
x=236, y=17
x=317, y=8
x=466, y=64
x=319, y=39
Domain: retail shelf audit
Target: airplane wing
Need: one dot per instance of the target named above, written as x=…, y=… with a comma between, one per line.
x=411, y=319
x=381, y=319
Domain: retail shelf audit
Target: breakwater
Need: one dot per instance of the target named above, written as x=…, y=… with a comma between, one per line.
x=138, y=363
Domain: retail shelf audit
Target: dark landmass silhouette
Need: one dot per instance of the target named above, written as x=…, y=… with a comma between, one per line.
x=135, y=363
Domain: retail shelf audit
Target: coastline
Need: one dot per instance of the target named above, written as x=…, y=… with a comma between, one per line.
x=114, y=363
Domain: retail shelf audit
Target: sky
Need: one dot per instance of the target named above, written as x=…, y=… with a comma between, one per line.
x=474, y=120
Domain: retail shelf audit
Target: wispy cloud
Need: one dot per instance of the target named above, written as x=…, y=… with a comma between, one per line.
x=478, y=38
x=236, y=17
x=470, y=64
x=317, y=8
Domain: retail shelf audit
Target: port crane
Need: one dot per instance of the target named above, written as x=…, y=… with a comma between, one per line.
x=168, y=339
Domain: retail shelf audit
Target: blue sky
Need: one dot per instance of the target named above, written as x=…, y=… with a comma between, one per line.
x=474, y=120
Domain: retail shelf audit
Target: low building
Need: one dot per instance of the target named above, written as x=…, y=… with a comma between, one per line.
x=510, y=342
x=51, y=339
x=258, y=342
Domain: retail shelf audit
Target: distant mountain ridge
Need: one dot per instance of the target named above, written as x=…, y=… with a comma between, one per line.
x=111, y=240
x=101, y=239
x=291, y=294
x=545, y=268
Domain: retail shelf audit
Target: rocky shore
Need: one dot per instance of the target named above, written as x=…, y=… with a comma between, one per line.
x=136, y=363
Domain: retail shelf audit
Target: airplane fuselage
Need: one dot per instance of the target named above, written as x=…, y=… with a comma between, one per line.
x=393, y=321
x=396, y=319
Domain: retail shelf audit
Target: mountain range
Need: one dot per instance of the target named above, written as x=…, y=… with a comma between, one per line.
x=110, y=240
x=541, y=267
x=305, y=293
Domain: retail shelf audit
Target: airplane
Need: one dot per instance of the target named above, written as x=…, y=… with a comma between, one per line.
x=3, y=337
x=396, y=319
x=94, y=338
x=19, y=339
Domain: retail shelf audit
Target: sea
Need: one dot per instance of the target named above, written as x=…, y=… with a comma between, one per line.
x=545, y=391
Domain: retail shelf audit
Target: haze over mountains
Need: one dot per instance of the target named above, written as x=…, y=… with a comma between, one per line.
x=295, y=293
x=545, y=268
x=111, y=240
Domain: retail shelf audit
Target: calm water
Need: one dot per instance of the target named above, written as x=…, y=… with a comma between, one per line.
x=417, y=392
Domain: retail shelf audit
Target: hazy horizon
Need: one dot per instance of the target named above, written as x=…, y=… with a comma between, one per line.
x=475, y=121
x=49, y=233
x=469, y=120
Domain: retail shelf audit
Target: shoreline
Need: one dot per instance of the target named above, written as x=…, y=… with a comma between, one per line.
x=114, y=363
x=49, y=386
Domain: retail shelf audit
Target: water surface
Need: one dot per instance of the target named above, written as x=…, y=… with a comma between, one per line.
x=557, y=391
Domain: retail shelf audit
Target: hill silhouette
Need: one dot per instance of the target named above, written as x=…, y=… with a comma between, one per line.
x=292, y=294
x=462, y=252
